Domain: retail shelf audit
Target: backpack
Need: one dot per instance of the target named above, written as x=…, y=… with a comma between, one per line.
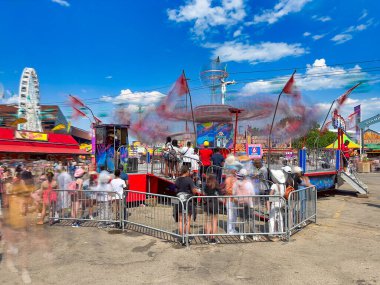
x=288, y=190
x=172, y=154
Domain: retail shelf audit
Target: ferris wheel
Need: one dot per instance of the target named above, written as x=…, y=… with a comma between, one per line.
x=29, y=101
x=214, y=77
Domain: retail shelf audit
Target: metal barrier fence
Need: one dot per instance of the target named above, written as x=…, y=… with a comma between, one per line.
x=302, y=207
x=155, y=212
x=248, y=216
x=93, y=206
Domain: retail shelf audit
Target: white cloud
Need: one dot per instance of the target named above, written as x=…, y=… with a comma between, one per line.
x=205, y=15
x=321, y=18
x=281, y=9
x=9, y=101
x=134, y=98
x=61, y=2
x=318, y=37
x=237, y=33
x=261, y=52
x=346, y=35
x=363, y=15
x=318, y=76
x=341, y=38
x=306, y=34
x=108, y=77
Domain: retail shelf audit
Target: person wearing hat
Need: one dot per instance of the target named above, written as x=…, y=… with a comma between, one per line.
x=303, y=182
x=289, y=177
x=274, y=204
x=205, y=156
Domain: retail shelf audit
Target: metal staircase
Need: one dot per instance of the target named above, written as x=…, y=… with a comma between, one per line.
x=354, y=182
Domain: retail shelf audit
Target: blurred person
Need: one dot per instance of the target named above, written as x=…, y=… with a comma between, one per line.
x=194, y=158
x=37, y=195
x=303, y=183
x=16, y=224
x=217, y=160
x=205, y=156
x=174, y=158
x=123, y=174
x=89, y=185
x=76, y=187
x=118, y=186
x=232, y=167
x=211, y=208
x=262, y=173
x=185, y=189
x=346, y=152
x=49, y=197
x=275, y=204
x=244, y=187
x=187, y=152
x=64, y=179
x=72, y=168
x=166, y=149
x=102, y=198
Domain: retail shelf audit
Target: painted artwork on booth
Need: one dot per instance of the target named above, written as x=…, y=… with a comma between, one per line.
x=217, y=134
x=223, y=135
x=323, y=182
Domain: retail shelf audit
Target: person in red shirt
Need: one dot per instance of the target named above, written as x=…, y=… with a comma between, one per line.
x=346, y=154
x=205, y=157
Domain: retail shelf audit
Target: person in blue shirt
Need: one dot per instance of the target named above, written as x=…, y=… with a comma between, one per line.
x=217, y=160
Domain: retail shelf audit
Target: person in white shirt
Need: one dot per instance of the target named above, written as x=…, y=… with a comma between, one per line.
x=274, y=204
x=187, y=152
x=118, y=186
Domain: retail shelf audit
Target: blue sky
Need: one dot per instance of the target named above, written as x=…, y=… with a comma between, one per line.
x=95, y=49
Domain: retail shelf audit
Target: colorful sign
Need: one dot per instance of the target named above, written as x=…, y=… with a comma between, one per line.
x=217, y=134
x=31, y=136
x=338, y=122
x=254, y=151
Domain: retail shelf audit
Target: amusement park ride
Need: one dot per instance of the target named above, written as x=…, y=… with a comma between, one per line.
x=214, y=123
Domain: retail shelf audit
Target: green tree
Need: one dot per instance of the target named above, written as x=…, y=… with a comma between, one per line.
x=309, y=139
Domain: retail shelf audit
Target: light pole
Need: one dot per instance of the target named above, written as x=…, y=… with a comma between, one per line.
x=235, y=111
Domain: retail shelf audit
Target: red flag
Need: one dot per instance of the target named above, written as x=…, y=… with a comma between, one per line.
x=97, y=120
x=77, y=113
x=180, y=87
x=288, y=88
x=351, y=120
x=342, y=98
x=168, y=104
x=76, y=102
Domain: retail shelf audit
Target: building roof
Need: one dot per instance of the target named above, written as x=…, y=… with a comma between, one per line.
x=56, y=143
x=50, y=114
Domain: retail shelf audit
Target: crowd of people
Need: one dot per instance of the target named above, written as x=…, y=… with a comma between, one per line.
x=36, y=189
x=229, y=177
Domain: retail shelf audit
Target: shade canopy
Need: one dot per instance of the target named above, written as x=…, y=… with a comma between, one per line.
x=352, y=144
